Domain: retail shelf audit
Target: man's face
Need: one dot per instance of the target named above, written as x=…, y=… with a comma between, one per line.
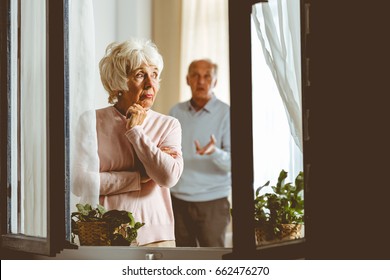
x=202, y=80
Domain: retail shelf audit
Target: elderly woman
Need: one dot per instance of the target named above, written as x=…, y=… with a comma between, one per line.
x=139, y=149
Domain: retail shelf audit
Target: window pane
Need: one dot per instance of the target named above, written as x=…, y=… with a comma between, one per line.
x=277, y=124
x=30, y=120
x=13, y=115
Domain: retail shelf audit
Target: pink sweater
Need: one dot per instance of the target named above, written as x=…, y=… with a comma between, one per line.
x=123, y=153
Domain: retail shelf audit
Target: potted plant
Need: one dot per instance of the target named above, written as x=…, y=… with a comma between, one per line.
x=99, y=227
x=279, y=215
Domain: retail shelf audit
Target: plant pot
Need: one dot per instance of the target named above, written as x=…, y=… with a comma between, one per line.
x=288, y=232
x=93, y=233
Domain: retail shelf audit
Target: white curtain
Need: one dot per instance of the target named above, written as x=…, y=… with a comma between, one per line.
x=276, y=74
x=13, y=115
x=84, y=162
x=205, y=34
x=278, y=28
x=33, y=145
x=33, y=118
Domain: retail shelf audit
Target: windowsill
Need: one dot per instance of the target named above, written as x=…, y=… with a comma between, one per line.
x=287, y=250
x=294, y=249
x=139, y=253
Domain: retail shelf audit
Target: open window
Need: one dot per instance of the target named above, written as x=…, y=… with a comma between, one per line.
x=242, y=160
x=32, y=127
x=55, y=163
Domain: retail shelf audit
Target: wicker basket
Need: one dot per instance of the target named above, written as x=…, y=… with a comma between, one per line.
x=93, y=233
x=289, y=232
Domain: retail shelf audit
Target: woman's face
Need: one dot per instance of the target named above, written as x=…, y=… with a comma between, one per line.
x=143, y=86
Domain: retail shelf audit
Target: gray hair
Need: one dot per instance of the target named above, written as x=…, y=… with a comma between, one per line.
x=121, y=58
x=214, y=65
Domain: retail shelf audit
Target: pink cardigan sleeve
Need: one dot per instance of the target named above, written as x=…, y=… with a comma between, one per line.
x=119, y=182
x=162, y=168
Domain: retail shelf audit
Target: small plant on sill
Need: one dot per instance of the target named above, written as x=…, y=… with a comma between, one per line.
x=277, y=212
x=97, y=226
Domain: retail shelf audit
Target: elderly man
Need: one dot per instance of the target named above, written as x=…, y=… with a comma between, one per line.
x=200, y=198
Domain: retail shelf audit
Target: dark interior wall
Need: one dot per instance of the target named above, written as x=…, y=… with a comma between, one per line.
x=348, y=151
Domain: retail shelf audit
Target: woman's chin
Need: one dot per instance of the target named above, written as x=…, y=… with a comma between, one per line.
x=147, y=103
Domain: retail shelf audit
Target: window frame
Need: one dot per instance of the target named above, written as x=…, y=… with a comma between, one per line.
x=55, y=240
x=58, y=195
x=241, y=105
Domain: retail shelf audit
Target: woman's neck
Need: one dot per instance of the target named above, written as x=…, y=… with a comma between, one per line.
x=120, y=108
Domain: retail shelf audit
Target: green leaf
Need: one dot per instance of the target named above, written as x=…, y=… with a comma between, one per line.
x=284, y=206
x=138, y=225
x=119, y=240
x=259, y=188
x=132, y=220
x=101, y=209
x=281, y=178
x=80, y=207
x=119, y=221
x=88, y=207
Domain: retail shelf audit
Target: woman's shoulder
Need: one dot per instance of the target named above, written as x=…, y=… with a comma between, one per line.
x=159, y=117
x=107, y=113
x=105, y=110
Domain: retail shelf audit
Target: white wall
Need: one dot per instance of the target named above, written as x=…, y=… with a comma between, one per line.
x=118, y=20
x=134, y=18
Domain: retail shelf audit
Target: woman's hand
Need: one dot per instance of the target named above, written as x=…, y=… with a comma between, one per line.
x=169, y=151
x=145, y=179
x=135, y=115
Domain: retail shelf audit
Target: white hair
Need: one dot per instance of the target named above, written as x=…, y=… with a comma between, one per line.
x=121, y=58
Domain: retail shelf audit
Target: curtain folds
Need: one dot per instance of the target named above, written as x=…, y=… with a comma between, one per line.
x=33, y=118
x=84, y=162
x=276, y=72
x=205, y=34
x=277, y=25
